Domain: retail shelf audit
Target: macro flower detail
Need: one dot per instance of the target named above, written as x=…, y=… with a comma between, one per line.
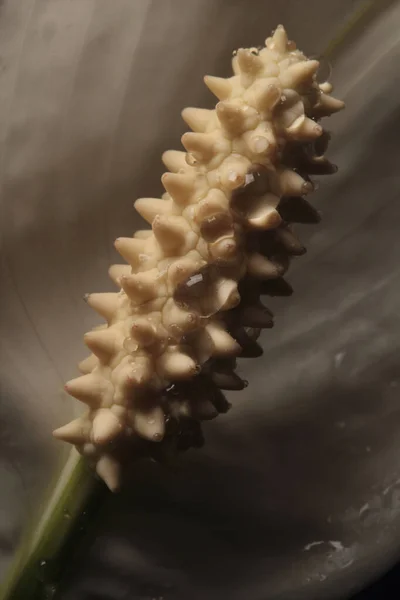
x=189, y=300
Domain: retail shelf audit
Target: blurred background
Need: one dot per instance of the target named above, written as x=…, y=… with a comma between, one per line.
x=297, y=491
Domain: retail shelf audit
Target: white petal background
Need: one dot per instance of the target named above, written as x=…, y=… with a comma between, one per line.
x=297, y=492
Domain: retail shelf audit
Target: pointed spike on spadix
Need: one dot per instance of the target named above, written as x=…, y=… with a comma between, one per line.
x=280, y=40
x=139, y=287
x=130, y=249
x=143, y=331
x=148, y=208
x=174, y=160
x=304, y=129
x=179, y=186
x=231, y=116
x=227, y=380
x=87, y=388
x=224, y=344
x=201, y=145
x=106, y=426
x=249, y=63
x=327, y=105
x=75, y=432
x=101, y=342
x=220, y=87
x=170, y=232
x=115, y=272
x=105, y=304
x=299, y=73
x=264, y=94
x=292, y=184
x=109, y=470
x=175, y=365
x=198, y=119
x=262, y=268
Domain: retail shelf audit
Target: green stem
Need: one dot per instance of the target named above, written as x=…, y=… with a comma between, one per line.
x=45, y=553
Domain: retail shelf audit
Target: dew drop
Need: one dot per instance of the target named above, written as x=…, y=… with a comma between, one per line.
x=324, y=72
x=66, y=514
x=130, y=345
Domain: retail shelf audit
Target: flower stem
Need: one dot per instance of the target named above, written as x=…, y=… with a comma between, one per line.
x=45, y=553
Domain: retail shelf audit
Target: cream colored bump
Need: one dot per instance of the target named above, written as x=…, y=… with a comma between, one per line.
x=206, y=146
x=176, y=365
x=236, y=117
x=304, y=129
x=179, y=186
x=261, y=142
x=220, y=87
x=177, y=320
x=123, y=384
x=144, y=332
x=227, y=295
x=142, y=287
x=75, y=432
x=291, y=109
x=88, y=364
x=175, y=160
x=327, y=105
x=150, y=424
x=223, y=343
x=298, y=73
x=224, y=249
x=106, y=304
x=199, y=119
x=106, y=426
x=292, y=184
x=263, y=94
x=115, y=273
x=181, y=270
x=131, y=250
x=279, y=40
x=173, y=233
x=108, y=468
x=232, y=172
x=289, y=241
x=148, y=208
x=249, y=65
x=262, y=213
x=141, y=371
x=92, y=389
x=260, y=267
x=215, y=202
x=103, y=343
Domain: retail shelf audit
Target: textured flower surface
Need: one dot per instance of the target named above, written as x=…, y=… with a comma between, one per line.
x=91, y=93
x=221, y=237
